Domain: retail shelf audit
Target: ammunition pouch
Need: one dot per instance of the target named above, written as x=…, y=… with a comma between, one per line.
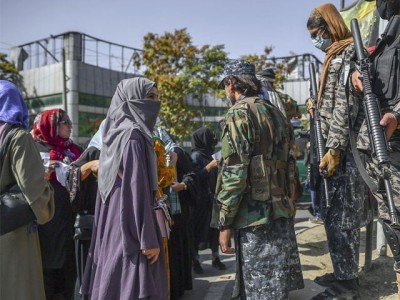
x=267, y=178
x=296, y=190
x=260, y=179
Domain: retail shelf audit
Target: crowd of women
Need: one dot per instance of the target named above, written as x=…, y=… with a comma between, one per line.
x=123, y=219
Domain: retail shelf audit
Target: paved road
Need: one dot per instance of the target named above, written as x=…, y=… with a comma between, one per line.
x=215, y=284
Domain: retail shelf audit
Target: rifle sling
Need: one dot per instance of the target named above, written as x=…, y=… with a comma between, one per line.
x=356, y=154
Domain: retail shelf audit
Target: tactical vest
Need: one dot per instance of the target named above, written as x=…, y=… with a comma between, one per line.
x=269, y=175
x=386, y=65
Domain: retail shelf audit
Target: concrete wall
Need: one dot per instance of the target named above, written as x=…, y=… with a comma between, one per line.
x=46, y=80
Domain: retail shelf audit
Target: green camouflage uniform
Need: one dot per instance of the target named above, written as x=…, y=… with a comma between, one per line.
x=291, y=108
x=268, y=264
x=349, y=195
x=238, y=208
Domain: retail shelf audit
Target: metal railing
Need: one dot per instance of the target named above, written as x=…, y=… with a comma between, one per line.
x=78, y=46
x=298, y=65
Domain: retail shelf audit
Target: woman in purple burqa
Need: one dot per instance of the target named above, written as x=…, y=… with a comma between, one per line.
x=126, y=260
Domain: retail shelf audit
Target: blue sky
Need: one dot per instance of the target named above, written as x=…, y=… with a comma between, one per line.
x=244, y=27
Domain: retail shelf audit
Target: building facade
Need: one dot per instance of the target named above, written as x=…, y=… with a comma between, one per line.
x=75, y=72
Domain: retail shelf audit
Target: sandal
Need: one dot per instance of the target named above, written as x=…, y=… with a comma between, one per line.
x=325, y=280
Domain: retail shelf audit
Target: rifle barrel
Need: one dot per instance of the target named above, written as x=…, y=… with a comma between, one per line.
x=373, y=116
x=355, y=30
x=318, y=131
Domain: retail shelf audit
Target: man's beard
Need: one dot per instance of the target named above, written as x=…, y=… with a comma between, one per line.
x=231, y=101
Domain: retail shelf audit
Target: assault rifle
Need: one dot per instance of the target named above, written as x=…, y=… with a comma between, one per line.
x=319, y=138
x=372, y=110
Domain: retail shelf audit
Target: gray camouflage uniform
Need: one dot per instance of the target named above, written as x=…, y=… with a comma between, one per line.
x=386, y=85
x=349, y=195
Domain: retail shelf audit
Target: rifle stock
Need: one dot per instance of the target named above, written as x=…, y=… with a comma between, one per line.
x=372, y=110
x=318, y=131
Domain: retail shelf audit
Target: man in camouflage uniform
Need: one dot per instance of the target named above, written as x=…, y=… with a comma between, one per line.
x=348, y=193
x=291, y=108
x=253, y=190
x=268, y=92
x=284, y=102
x=385, y=69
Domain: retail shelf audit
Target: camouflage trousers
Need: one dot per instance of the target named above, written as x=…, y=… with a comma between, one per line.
x=267, y=261
x=383, y=208
x=344, y=247
x=349, y=211
x=375, y=172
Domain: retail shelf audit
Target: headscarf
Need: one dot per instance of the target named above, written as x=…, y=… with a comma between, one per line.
x=13, y=109
x=204, y=141
x=341, y=38
x=45, y=130
x=97, y=139
x=128, y=111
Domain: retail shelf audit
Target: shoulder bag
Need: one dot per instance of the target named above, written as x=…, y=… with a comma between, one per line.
x=15, y=211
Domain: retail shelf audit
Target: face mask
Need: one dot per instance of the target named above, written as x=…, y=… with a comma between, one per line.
x=321, y=43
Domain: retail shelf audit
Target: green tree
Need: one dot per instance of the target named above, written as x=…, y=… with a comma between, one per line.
x=263, y=61
x=180, y=69
x=8, y=71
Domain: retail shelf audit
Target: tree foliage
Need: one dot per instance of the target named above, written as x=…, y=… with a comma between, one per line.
x=263, y=61
x=8, y=71
x=184, y=70
x=180, y=69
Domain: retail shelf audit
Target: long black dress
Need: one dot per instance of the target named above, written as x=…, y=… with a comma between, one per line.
x=181, y=237
x=203, y=143
x=83, y=196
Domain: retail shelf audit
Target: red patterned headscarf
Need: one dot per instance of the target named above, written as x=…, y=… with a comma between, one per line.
x=45, y=130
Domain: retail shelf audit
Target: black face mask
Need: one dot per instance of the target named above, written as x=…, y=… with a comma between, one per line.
x=386, y=10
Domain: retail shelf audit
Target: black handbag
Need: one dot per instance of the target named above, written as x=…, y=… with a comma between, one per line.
x=15, y=211
x=83, y=226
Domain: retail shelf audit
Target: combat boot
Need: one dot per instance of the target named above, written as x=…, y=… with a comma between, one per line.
x=341, y=290
x=325, y=280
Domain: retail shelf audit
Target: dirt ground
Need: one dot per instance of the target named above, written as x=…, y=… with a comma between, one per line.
x=379, y=282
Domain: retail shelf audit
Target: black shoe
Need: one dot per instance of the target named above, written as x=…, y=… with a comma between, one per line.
x=325, y=280
x=216, y=263
x=197, y=267
x=339, y=291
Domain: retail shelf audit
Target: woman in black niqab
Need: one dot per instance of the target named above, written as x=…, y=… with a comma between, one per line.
x=203, y=145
